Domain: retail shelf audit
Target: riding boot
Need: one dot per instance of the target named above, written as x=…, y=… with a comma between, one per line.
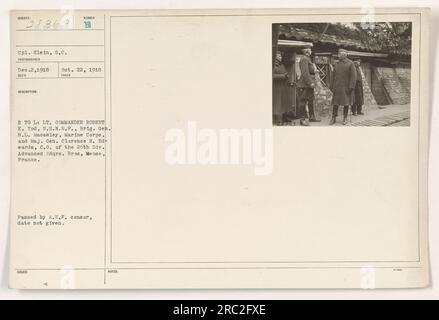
x=354, y=110
x=345, y=115
x=334, y=115
x=312, y=117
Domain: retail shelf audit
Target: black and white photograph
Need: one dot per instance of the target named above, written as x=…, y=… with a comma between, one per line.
x=341, y=74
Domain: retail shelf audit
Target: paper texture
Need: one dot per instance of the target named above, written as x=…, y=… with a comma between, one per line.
x=177, y=149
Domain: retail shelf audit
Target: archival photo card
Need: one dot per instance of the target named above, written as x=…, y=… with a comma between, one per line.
x=171, y=149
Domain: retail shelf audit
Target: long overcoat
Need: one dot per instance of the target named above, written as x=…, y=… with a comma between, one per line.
x=359, y=95
x=280, y=87
x=343, y=82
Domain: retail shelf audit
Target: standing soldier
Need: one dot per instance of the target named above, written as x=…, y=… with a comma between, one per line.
x=358, y=95
x=280, y=84
x=306, y=85
x=343, y=83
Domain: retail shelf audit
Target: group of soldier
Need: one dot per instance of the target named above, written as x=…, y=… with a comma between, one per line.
x=346, y=86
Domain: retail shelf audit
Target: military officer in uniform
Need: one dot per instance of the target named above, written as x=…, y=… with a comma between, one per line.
x=280, y=85
x=343, y=83
x=358, y=93
x=306, y=85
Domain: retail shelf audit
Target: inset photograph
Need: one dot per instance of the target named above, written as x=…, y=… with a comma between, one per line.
x=341, y=74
